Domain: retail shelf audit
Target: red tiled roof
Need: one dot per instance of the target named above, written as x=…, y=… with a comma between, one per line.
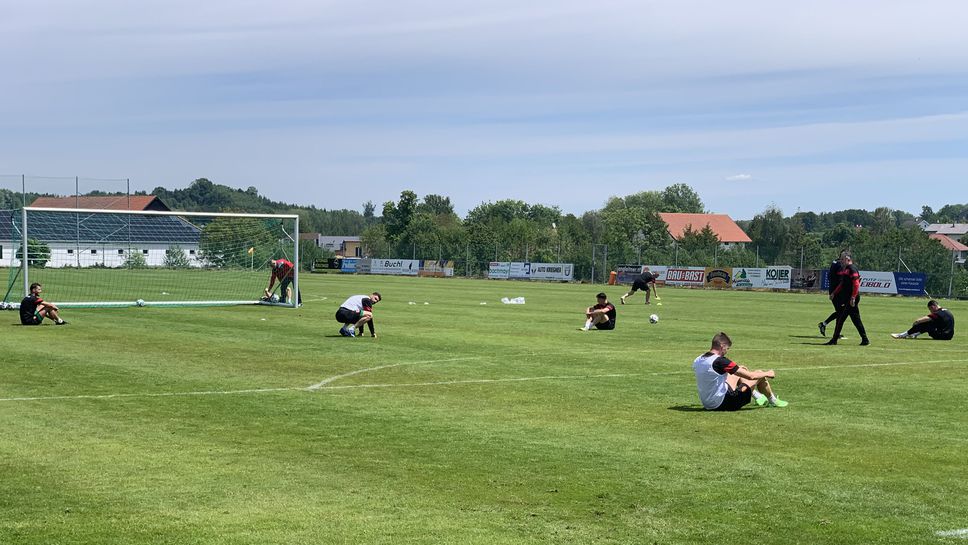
x=721, y=224
x=113, y=202
x=949, y=243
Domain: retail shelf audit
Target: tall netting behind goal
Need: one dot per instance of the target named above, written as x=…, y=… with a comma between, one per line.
x=94, y=258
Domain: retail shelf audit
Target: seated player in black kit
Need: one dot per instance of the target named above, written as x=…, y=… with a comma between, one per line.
x=33, y=309
x=601, y=315
x=642, y=283
x=939, y=324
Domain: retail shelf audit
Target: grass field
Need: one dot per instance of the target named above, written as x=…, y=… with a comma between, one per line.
x=478, y=424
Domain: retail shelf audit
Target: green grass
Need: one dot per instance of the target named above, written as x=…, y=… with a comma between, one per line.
x=480, y=424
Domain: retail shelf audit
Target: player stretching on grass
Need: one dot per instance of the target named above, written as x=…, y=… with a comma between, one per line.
x=33, y=309
x=642, y=283
x=725, y=385
x=601, y=315
x=356, y=311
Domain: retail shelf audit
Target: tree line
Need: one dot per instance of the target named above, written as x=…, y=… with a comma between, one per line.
x=626, y=230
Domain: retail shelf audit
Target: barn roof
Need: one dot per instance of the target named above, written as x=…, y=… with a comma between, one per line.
x=721, y=224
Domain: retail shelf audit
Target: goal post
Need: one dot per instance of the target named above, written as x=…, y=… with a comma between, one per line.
x=119, y=258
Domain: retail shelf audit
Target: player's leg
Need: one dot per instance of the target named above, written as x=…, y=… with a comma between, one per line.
x=841, y=318
x=854, y=313
x=629, y=294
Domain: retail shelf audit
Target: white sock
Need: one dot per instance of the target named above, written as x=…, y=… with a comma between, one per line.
x=757, y=395
x=350, y=328
x=588, y=325
x=772, y=398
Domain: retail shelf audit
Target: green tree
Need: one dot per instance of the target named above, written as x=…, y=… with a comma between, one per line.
x=135, y=260
x=38, y=253
x=682, y=198
x=768, y=232
x=225, y=242
x=175, y=258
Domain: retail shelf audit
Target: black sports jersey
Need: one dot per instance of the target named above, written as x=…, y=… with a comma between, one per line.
x=28, y=307
x=833, y=276
x=647, y=277
x=945, y=321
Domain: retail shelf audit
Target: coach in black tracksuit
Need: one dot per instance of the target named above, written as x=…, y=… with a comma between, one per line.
x=846, y=298
x=833, y=280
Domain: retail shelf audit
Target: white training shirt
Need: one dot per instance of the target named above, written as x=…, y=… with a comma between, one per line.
x=711, y=370
x=358, y=303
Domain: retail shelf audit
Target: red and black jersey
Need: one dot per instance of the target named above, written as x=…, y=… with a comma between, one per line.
x=28, y=307
x=282, y=269
x=609, y=310
x=724, y=366
x=849, y=285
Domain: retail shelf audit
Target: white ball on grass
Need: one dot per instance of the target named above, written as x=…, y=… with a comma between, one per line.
x=140, y=302
x=654, y=319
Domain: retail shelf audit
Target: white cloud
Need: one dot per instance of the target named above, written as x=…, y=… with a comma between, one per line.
x=739, y=178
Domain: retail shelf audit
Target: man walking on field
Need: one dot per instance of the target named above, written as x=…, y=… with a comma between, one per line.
x=726, y=386
x=846, y=298
x=356, y=311
x=833, y=280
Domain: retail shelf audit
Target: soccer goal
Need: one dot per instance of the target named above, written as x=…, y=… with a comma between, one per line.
x=117, y=258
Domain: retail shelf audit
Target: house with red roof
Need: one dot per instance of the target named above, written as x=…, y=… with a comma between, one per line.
x=958, y=249
x=103, y=202
x=101, y=240
x=726, y=230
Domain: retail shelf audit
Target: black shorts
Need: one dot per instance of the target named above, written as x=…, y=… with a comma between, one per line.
x=606, y=325
x=640, y=285
x=347, y=316
x=36, y=319
x=736, y=399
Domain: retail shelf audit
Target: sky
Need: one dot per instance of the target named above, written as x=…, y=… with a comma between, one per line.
x=821, y=105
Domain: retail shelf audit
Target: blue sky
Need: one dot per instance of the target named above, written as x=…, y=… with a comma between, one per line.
x=822, y=105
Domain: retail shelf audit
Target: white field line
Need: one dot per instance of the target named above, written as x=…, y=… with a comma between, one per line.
x=962, y=533
x=325, y=384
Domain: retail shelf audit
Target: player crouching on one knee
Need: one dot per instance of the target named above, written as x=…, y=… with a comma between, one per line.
x=356, y=311
x=33, y=309
x=725, y=385
x=601, y=314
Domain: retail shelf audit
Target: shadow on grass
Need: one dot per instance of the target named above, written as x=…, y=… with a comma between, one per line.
x=805, y=337
x=687, y=409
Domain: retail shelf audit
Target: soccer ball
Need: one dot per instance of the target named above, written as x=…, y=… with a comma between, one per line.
x=654, y=319
x=140, y=302
x=274, y=298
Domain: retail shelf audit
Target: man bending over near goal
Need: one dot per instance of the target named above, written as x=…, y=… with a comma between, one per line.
x=725, y=385
x=33, y=309
x=356, y=311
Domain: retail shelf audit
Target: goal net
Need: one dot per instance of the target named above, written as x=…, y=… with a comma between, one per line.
x=105, y=258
